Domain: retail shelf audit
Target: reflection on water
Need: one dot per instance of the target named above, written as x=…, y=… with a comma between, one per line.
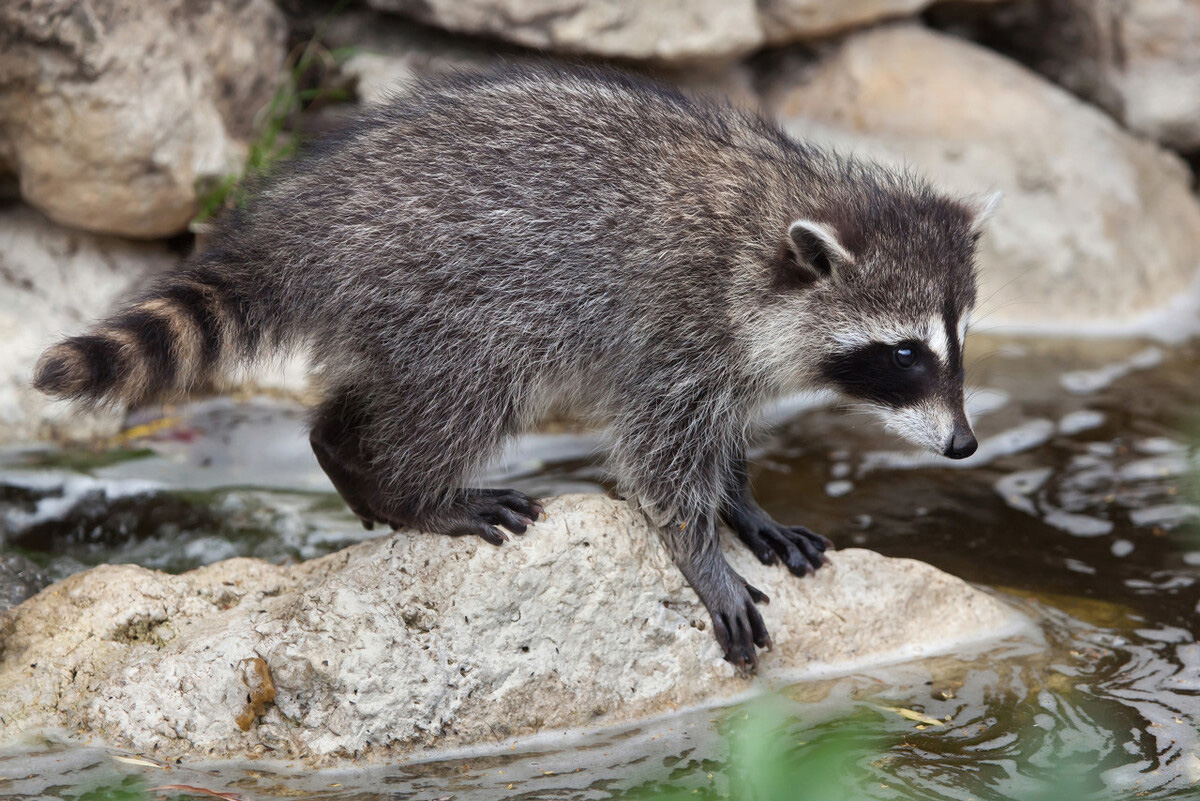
x=1079, y=506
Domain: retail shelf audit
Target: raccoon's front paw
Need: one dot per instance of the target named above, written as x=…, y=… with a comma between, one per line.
x=803, y=551
x=739, y=628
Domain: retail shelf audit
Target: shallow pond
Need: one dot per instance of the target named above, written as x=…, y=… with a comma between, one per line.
x=1079, y=507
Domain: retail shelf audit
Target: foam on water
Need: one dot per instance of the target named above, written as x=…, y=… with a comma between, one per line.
x=1077, y=422
x=63, y=492
x=1086, y=382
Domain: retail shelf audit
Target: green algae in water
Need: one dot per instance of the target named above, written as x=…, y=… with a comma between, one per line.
x=77, y=459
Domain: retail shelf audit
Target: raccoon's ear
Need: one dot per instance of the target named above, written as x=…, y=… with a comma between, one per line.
x=981, y=208
x=817, y=249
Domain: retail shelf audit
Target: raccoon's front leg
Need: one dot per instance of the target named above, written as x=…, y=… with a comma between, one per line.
x=676, y=469
x=695, y=547
x=803, y=551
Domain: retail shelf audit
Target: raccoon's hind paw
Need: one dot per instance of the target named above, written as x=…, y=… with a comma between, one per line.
x=803, y=551
x=483, y=512
x=509, y=508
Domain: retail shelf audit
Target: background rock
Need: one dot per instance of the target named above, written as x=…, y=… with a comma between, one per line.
x=1097, y=228
x=1139, y=60
x=112, y=110
x=661, y=30
x=53, y=282
x=410, y=641
x=669, y=31
x=792, y=20
x=390, y=53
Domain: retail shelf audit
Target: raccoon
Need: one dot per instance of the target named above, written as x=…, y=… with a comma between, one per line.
x=486, y=248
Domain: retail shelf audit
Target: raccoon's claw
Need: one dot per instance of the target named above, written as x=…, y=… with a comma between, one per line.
x=485, y=513
x=756, y=595
x=488, y=533
x=513, y=510
x=740, y=630
x=803, y=551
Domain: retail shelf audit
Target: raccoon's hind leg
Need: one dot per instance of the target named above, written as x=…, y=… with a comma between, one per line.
x=803, y=551
x=339, y=443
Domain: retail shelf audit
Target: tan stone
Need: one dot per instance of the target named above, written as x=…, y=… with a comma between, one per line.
x=412, y=641
x=1097, y=228
x=391, y=53
x=111, y=111
x=1139, y=59
x=53, y=281
x=659, y=30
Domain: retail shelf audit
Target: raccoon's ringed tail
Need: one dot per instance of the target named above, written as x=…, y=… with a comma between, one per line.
x=68, y=369
x=171, y=339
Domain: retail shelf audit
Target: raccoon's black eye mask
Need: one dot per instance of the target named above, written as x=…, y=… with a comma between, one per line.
x=894, y=375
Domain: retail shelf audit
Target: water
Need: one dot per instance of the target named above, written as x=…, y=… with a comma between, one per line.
x=1079, y=507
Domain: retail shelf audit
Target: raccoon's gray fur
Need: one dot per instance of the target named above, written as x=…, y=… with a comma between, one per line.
x=485, y=249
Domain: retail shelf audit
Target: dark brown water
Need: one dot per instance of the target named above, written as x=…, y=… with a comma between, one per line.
x=1080, y=507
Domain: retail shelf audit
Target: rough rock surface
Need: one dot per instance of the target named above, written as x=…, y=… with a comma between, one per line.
x=112, y=110
x=413, y=641
x=1140, y=60
x=53, y=281
x=654, y=30
x=1097, y=228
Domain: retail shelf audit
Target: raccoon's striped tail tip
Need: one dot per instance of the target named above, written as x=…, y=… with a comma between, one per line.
x=69, y=371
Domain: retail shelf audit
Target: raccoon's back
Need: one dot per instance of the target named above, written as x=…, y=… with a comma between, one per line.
x=551, y=191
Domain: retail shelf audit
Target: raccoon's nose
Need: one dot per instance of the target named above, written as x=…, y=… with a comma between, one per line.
x=962, y=444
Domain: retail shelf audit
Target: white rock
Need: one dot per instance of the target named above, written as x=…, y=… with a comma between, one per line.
x=1097, y=228
x=390, y=53
x=664, y=31
x=112, y=110
x=53, y=282
x=659, y=30
x=412, y=641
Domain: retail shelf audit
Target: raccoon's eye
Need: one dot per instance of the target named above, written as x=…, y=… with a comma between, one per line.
x=904, y=356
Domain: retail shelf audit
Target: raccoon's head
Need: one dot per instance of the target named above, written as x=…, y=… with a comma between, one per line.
x=879, y=293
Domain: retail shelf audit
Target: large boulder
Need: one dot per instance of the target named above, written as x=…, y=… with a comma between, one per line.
x=1097, y=228
x=653, y=30
x=1139, y=60
x=413, y=641
x=53, y=282
x=111, y=111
